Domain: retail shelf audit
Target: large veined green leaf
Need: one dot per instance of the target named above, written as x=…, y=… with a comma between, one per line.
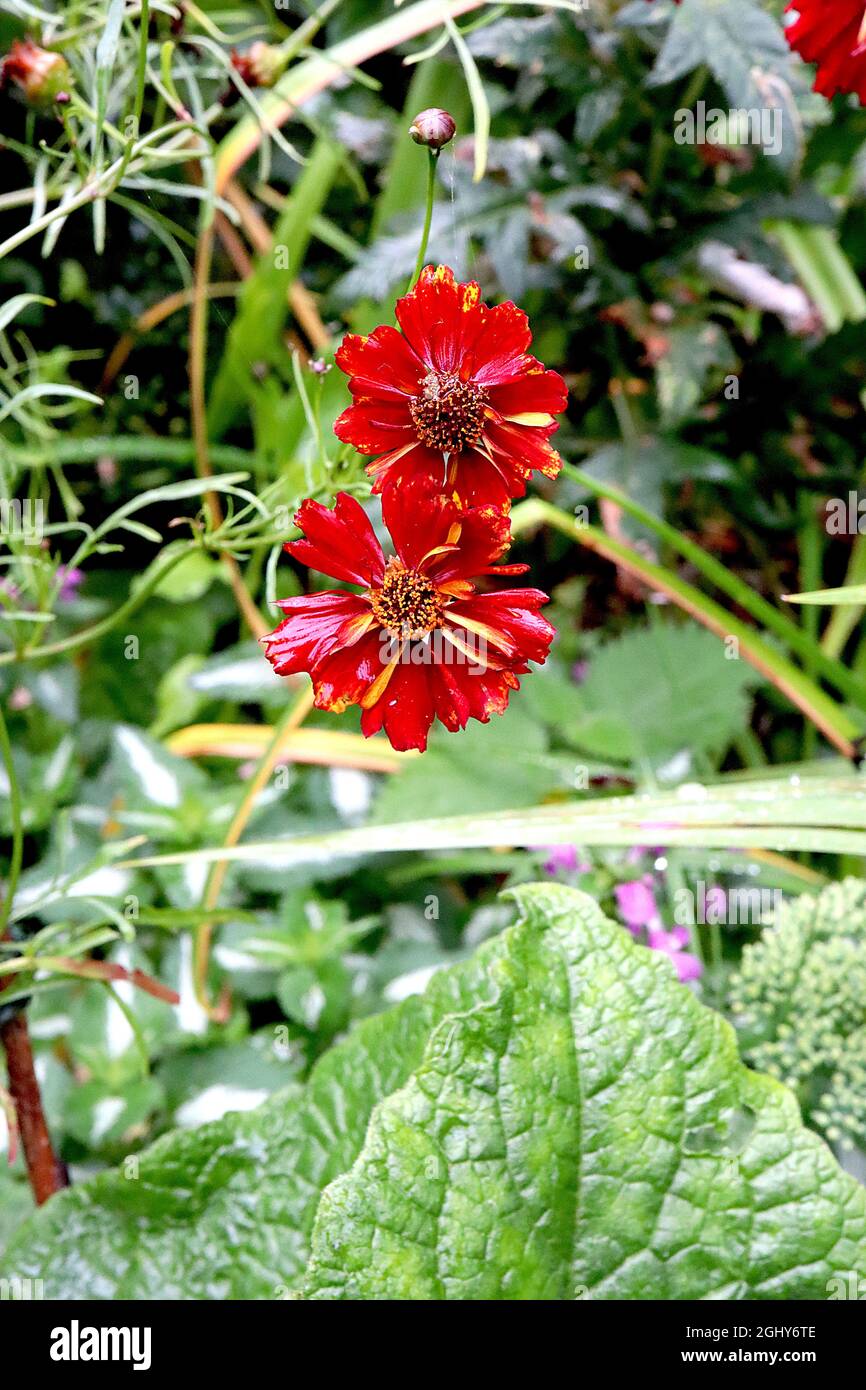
x=225, y=1211
x=590, y=1132
x=555, y=1114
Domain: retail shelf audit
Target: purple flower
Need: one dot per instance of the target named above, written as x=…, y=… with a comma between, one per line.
x=70, y=580
x=637, y=904
x=562, y=859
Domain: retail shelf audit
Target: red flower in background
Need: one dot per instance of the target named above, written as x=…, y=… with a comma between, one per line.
x=40, y=74
x=420, y=642
x=453, y=398
x=832, y=33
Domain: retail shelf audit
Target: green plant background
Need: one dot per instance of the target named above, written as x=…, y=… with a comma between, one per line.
x=567, y=1119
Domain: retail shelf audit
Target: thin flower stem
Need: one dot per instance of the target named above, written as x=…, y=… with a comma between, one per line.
x=197, y=354
x=45, y=1173
x=294, y=715
x=432, y=159
x=84, y=196
x=17, y=825
x=91, y=634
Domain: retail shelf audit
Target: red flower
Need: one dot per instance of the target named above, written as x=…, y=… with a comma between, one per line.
x=454, y=398
x=832, y=33
x=420, y=642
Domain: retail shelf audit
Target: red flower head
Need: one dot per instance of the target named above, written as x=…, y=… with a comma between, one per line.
x=453, y=398
x=832, y=33
x=40, y=74
x=420, y=642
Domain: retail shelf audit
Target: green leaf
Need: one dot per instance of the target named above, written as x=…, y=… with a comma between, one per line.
x=483, y=768
x=850, y=593
x=225, y=1211
x=478, y=96
x=589, y=1132
x=47, y=388
x=256, y=335
x=688, y=695
x=642, y=1158
x=783, y=813
x=13, y=307
x=732, y=37
x=190, y=579
x=695, y=353
x=238, y=674
x=97, y=1114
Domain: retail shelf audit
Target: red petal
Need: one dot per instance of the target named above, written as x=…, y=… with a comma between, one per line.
x=485, y=692
x=535, y=391
x=317, y=624
x=342, y=678
x=383, y=361
x=442, y=319
x=523, y=446
x=404, y=467
x=499, y=355
x=341, y=542
x=406, y=708
x=513, y=612
x=419, y=518
x=375, y=429
x=829, y=34
x=485, y=535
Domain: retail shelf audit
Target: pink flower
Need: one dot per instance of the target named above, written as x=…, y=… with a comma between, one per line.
x=687, y=966
x=638, y=908
x=637, y=904
x=70, y=580
x=562, y=859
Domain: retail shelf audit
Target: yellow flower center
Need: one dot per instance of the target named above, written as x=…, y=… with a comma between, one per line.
x=407, y=604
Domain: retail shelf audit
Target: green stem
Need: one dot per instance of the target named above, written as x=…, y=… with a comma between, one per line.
x=833, y=721
x=753, y=603
x=810, y=545
x=292, y=717
x=141, y=66
x=90, y=634
x=17, y=825
x=432, y=159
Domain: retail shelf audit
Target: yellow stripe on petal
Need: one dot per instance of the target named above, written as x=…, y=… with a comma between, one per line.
x=490, y=634
x=380, y=684
x=457, y=641
x=530, y=417
x=437, y=550
x=457, y=588
x=356, y=628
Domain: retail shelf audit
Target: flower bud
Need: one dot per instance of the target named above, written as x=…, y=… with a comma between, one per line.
x=433, y=128
x=261, y=66
x=40, y=74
